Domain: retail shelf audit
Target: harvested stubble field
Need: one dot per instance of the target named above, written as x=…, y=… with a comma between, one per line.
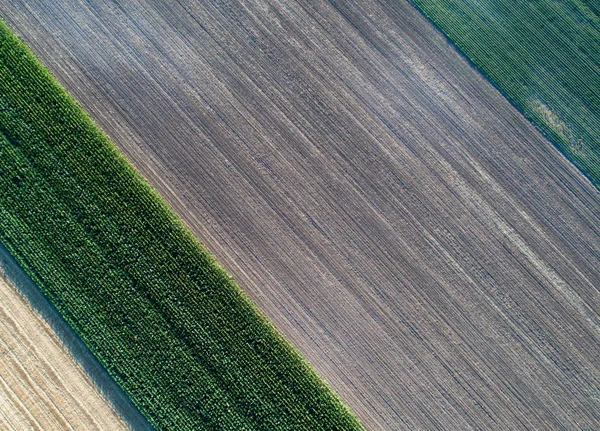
x=41, y=385
x=430, y=253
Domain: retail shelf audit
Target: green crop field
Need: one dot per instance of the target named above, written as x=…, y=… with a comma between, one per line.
x=544, y=56
x=168, y=323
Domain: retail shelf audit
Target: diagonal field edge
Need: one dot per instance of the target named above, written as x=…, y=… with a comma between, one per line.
x=544, y=57
x=167, y=322
x=79, y=351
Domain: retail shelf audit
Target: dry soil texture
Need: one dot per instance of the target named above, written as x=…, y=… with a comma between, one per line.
x=424, y=247
x=48, y=377
x=41, y=385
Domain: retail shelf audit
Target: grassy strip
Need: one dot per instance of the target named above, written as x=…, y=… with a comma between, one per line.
x=544, y=55
x=167, y=322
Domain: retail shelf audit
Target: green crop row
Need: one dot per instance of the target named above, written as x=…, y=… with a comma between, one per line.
x=544, y=56
x=167, y=322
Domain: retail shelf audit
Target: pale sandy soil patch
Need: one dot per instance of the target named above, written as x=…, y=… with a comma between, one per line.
x=41, y=385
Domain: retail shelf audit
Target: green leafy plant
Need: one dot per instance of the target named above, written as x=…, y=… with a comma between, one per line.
x=167, y=322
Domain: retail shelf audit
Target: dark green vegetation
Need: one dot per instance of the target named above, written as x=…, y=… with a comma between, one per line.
x=429, y=251
x=164, y=318
x=544, y=56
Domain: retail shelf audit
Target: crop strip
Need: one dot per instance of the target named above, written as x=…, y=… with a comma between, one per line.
x=167, y=322
x=544, y=56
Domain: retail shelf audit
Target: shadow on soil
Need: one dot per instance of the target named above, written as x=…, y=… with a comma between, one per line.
x=111, y=391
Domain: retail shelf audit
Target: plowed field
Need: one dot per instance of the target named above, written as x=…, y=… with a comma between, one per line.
x=427, y=250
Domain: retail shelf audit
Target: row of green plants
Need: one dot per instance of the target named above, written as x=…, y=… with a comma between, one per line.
x=544, y=56
x=167, y=322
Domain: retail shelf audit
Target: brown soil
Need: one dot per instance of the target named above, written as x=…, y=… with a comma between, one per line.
x=431, y=254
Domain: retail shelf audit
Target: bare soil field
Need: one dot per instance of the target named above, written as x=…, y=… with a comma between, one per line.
x=42, y=387
x=426, y=249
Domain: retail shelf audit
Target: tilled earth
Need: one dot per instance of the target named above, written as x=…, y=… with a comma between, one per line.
x=427, y=250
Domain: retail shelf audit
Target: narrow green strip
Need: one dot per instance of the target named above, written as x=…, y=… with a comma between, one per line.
x=544, y=56
x=167, y=322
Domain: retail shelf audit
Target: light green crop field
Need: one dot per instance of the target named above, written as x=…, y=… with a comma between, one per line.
x=167, y=322
x=544, y=55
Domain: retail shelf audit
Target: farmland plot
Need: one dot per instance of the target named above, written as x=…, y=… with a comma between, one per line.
x=47, y=368
x=162, y=316
x=544, y=55
x=41, y=385
x=431, y=254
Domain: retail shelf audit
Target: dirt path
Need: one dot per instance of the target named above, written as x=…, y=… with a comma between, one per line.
x=41, y=385
x=432, y=255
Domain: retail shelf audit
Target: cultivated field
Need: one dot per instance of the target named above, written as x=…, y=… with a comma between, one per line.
x=165, y=320
x=43, y=365
x=407, y=229
x=41, y=385
x=544, y=55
